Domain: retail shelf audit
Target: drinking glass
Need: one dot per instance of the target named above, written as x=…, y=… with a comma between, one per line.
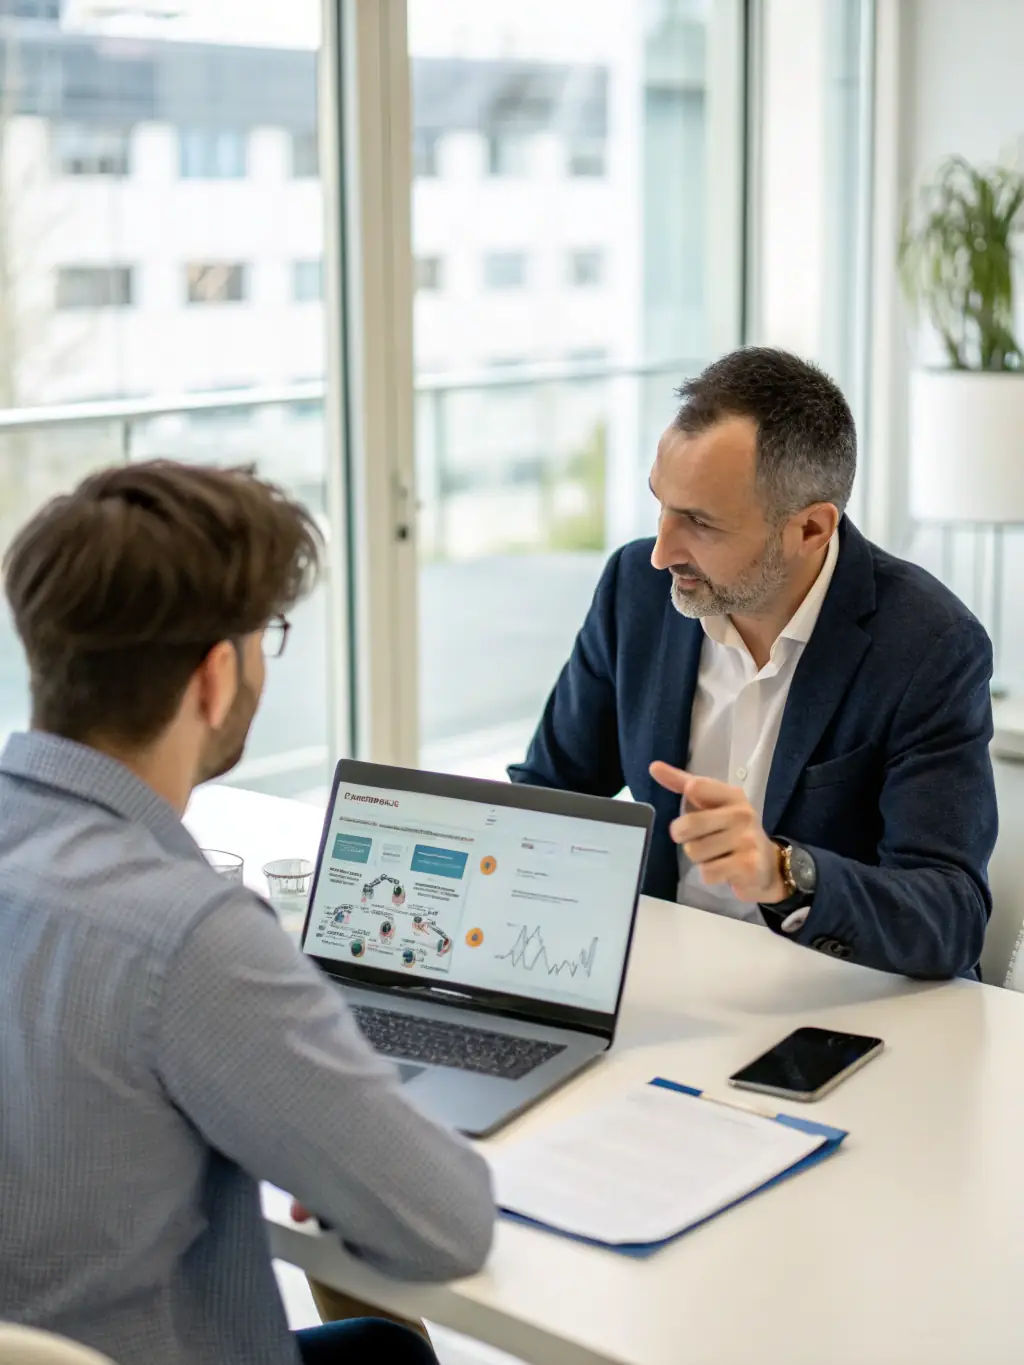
x=288, y=882
x=226, y=865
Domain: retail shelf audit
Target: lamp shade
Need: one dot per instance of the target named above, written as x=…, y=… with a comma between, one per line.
x=967, y=446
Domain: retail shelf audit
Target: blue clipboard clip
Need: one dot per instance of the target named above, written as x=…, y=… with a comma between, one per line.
x=833, y=1139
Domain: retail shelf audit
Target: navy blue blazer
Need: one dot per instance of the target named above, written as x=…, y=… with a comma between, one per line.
x=882, y=766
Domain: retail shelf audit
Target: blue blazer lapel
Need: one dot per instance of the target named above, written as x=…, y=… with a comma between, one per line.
x=825, y=671
x=677, y=666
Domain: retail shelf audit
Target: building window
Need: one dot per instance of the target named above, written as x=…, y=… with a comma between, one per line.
x=505, y=269
x=507, y=153
x=586, y=268
x=307, y=281
x=425, y=149
x=84, y=149
x=216, y=283
x=305, y=156
x=212, y=154
x=428, y=273
x=94, y=286
x=586, y=156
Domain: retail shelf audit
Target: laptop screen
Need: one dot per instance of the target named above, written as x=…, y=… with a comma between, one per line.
x=467, y=894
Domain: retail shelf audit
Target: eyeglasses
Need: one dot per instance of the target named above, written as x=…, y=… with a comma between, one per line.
x=275, y=637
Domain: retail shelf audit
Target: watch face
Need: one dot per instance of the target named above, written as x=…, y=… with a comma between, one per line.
x=805, y=873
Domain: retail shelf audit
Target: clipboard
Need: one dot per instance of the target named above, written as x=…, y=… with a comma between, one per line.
x=833, y=1138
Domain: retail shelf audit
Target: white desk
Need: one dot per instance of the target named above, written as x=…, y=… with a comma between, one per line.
x=905, y=1249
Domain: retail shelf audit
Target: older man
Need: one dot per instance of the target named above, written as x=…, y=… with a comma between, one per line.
x=809, y=716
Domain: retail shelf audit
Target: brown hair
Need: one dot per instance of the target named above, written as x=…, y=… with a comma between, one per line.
x=121, y=588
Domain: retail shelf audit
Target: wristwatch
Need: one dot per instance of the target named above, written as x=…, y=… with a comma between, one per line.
x=799, y=876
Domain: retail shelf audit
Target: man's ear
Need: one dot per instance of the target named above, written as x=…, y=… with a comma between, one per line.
x=218, y=678
x=818, y=525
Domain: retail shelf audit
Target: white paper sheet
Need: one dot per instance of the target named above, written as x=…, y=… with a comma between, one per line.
x=644, y=1166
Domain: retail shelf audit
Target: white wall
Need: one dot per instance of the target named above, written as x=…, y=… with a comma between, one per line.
x=964, y=65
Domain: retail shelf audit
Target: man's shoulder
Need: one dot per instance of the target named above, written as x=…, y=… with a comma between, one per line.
x=108, y=877
x=910, y=598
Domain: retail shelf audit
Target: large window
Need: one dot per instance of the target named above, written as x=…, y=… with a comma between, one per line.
x=587, y=208
x=576, y=183
x=160, y=238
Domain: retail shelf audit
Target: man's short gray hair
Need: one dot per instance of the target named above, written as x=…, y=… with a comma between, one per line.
x=806, y=438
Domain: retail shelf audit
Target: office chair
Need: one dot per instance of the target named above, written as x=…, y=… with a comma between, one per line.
x=26, y=1346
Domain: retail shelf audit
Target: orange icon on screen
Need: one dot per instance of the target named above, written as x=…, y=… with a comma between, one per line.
x=488, y=865
x=475, y=937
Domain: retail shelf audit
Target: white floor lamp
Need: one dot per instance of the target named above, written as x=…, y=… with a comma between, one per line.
x=967, y=460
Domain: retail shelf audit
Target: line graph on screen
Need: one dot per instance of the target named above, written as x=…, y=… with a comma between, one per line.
x=529, y=953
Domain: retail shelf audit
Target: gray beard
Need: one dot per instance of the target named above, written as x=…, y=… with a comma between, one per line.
x=752, y=595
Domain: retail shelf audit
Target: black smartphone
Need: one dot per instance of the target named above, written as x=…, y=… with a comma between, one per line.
x=808, y=1064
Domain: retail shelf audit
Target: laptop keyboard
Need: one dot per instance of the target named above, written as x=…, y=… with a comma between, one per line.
x=435, y=1042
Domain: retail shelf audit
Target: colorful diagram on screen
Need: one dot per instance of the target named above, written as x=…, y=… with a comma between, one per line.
x=488, y=866
x=422, y=925
x=474, y=938
x=395, y=917
x=397, y=890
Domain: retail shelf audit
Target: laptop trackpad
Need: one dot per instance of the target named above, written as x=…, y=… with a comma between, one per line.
x=406, y=1071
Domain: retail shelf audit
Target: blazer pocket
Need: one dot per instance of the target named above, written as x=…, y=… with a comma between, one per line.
x=834, y=772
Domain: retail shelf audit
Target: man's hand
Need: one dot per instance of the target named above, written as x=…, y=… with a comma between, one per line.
x=721, y=834
x=300, y=1214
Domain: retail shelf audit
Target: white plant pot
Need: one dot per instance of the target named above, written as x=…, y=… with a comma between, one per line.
x=967, y=446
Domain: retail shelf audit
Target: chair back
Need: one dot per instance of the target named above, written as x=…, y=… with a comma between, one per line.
x=27, y=1346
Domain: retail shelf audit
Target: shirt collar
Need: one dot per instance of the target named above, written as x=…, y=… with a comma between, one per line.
x=84, y=772
x=801, y=624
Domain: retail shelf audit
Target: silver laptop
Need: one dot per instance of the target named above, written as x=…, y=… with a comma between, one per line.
x=480, y=930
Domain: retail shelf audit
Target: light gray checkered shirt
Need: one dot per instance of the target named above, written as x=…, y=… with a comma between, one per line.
x=163, y=1047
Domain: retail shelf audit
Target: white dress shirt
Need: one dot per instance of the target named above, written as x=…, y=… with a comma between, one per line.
x=735, y=722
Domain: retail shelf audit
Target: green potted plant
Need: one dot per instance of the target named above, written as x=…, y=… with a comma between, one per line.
x=957, y=263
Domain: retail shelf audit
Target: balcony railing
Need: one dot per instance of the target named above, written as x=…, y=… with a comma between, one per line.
x=537, y=460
